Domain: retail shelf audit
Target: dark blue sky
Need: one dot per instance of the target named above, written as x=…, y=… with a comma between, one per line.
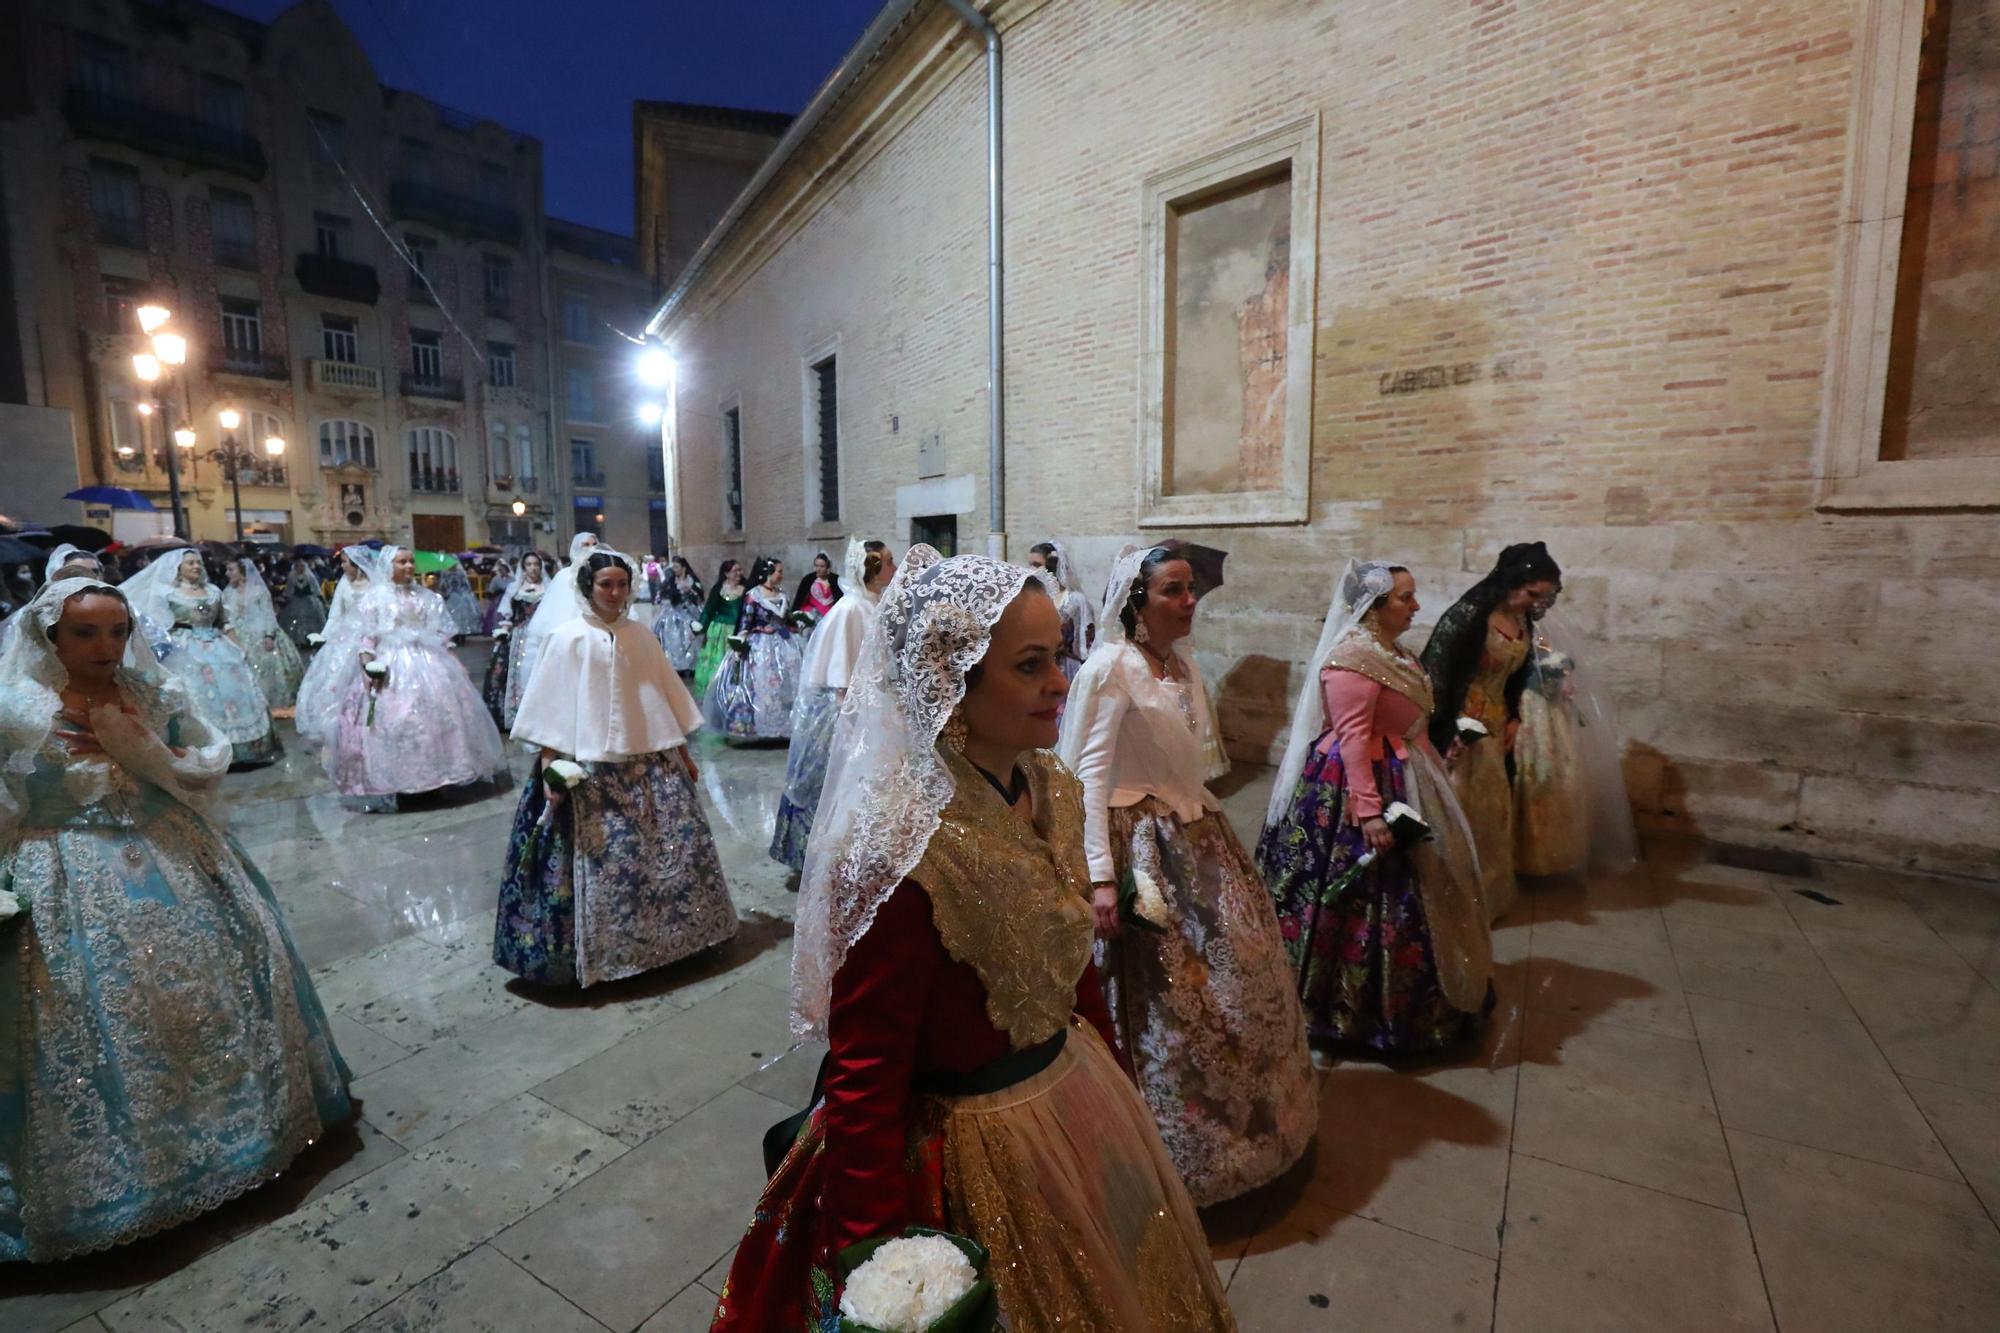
x=568, y=71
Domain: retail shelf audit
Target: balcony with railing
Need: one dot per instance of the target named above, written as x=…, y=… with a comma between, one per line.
x=345, y=377
x=529, y=484
x=416, y=385
x=154, y=129
x=589, y=481
x=255, y=365
x=341, y=279
x=460, y=214
x=236, y=255
x=427, y=478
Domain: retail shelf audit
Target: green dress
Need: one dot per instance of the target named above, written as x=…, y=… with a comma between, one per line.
x=715, y=638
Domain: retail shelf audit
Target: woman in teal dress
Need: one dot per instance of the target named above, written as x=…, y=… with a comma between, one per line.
x=161, y=1049
x=719, y=619
x=174, y=590
x=246, y=605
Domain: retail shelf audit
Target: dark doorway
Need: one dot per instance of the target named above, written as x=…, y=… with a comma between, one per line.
x=936, y=530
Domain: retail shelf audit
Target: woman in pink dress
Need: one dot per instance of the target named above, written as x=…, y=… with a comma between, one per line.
x=410, y=718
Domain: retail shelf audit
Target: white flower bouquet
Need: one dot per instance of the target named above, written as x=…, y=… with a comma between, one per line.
x=502, y=631
x=378, y=675
x=559, y=777
x=1471, y=729
x=922, y=1281
x=10, y=905
x=1143, y=903
x=1405, y=824
x=315, y=640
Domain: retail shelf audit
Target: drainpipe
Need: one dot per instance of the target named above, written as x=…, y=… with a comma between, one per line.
x=996, y=397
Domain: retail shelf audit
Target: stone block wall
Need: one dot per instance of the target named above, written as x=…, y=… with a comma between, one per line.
x=1623, y=219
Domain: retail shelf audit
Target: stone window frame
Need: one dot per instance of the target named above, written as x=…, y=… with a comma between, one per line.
x=1848, y=471
x=819, y=528
x=1294, y=144
x=735, y=533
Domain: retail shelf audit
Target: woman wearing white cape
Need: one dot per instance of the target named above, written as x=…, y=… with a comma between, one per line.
x=272, y=657
x=619, y=873
x=414, y=723
x=831, y=653
x=1200, y=989
x=1395, y=956
x=174, y=591
x=165, y=1051
x=1571, y=811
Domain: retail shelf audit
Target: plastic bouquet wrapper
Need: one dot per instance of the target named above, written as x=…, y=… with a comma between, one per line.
x=559, y=776
x=1142, y=903
x=803, y=620
x=378, y=673
x=922, y=1281
x=1409, y=829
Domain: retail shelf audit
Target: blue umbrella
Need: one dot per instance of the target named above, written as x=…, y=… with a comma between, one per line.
x=114, y=497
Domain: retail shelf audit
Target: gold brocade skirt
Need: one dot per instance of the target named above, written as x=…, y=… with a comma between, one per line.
x=1551, y=832
x=1064, y=1180
x=1487, y=795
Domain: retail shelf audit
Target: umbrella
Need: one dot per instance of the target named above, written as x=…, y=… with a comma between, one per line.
x=16, y=552
x=481, y=550
x=308, y=549
x=433, y=562
x=84, y=538
x=1205, y=561
x=115, y=497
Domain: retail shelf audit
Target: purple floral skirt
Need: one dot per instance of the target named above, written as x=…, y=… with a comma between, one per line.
x=1366, y=971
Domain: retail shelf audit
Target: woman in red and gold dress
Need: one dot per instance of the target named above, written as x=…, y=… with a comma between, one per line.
x=943, y=950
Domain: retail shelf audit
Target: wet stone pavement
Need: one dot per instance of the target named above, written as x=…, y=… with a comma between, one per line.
x=1707, y=1101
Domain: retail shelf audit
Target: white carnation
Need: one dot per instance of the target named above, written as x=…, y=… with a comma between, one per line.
x=9, y=905
x=377, y=669
x=566, y=772
x=315, y=639
x=908, y=1284
x=1473, y=725
x=1149, y=901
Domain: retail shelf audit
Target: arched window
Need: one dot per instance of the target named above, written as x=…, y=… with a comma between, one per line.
x=433, y=461
x=264, y=470
x=346, y=442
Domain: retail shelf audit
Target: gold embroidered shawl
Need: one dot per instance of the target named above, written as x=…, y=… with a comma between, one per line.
x=1013, y=902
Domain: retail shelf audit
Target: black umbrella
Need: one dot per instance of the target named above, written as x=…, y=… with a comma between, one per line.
x=308, y=549
x=1205, y=561
x=80, y=536
x=14, y=551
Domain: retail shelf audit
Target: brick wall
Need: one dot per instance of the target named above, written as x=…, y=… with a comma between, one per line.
x=1623, y=218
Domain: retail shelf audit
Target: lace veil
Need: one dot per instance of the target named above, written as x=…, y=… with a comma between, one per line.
x=853, y=569
x=32, y=678
x=1354, y=595
x=1559, y=670
x=887, y=785
x=62, y=555
x=250, y=608
x=561, y=602
x=147, y=590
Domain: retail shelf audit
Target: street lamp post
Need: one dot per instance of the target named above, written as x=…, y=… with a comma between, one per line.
x=235, y=456
x=169, y=349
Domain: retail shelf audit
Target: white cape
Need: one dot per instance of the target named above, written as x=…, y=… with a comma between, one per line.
x=604, y=693
x=835, y=645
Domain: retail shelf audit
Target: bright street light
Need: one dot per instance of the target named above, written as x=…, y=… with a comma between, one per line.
x=173, y=348
x=274, y=445
x=143, y=409
x=184, y=437
x=230, y=418
x=520, y=507
x=146, y=366
x=152, y=316
x=656, y=367
x=650, y=413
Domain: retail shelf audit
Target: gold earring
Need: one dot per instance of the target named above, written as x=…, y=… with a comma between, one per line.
x=954, y=729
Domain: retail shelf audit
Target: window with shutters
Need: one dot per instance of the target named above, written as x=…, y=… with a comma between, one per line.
x=333, y=236
x=225, y=104
x=531, y=473
x=822, y=443
x=732, y=469
x=433, y=461
x=232, y=229
x=497, y=275
x=128, y=438
x=500, y=365
x=264, y=470
x=426, y=358
x=115, y=204
x=242, y=334
x=581, y=387
x=583, y=464
x=122, y=299
x=579, y=321
x=338, y=340
x=346, y=442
